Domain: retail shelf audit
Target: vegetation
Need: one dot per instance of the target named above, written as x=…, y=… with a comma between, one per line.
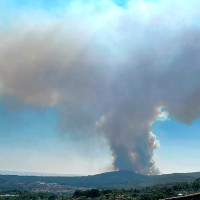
x=117, y=179
x=148, y=193
x=99, y=180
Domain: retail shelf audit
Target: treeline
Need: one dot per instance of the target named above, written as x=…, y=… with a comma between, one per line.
x=148, y=193
x=25, y=195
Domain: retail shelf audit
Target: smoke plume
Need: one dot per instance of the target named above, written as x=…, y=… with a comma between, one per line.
x=108, y=70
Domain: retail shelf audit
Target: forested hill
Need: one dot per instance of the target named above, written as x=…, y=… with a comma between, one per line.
x=117, y=179
x=99, y=180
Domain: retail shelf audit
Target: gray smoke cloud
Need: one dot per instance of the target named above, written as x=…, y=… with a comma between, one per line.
x=109, y=71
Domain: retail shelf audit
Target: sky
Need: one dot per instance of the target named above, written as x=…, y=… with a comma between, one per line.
x=92, y=87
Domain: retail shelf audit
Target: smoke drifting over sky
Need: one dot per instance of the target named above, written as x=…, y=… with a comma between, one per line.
x=108, y=70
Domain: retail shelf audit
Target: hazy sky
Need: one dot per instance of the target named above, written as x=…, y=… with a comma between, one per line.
x=49, y=113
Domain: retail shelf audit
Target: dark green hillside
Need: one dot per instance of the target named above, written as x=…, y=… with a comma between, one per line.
x=116, y=179
x=155, y=180
x=99, y=180
x=184, y=189
x=192, y=174
x=147, y=193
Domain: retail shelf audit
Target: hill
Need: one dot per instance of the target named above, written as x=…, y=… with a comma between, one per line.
x=99, y=180
x=157, y=180
x=116, y=179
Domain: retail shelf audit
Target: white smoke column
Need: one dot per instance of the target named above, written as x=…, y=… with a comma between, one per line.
x=109, y=70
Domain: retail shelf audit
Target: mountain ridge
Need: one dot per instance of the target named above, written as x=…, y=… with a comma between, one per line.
x=114, y=179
